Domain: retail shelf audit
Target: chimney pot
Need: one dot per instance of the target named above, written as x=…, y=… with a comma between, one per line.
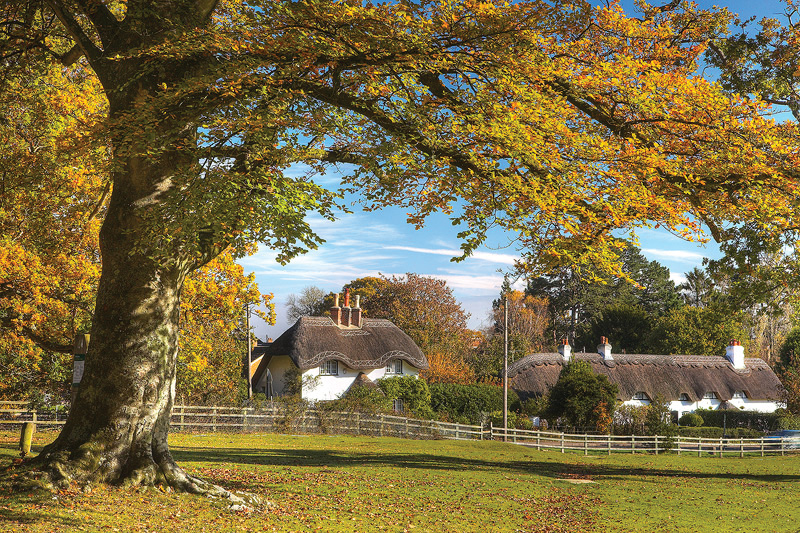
x=347, y=297
x=604, y=349
x=735, y=354
x=565, y=350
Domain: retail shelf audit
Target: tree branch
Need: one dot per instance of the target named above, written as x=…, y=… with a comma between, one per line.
x=90, y=50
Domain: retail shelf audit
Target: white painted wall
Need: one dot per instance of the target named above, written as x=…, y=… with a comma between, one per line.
x=323, y=388
x=683, y=407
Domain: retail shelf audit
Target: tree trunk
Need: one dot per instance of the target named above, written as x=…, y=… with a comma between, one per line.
x=118, y=425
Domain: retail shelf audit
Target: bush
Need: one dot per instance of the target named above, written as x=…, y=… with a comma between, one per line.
x=710, y=432
x=361, y=399
x=762, y=422
x=469, y=403
x=785, y=420
x=515, y=420
x=691, y=420
x=583, y=397
x=414, y=392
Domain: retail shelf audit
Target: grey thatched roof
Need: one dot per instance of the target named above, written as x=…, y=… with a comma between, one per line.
x=665, y=375
x=362, y=380
x=313, y=340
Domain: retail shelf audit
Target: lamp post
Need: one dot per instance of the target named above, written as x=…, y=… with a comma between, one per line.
x=505, y=367
x=249, y=354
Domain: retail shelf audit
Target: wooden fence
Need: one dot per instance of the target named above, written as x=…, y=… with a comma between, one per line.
x=608, y=444
x=282, y=419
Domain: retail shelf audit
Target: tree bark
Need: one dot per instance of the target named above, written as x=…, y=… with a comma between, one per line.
x=117, y=427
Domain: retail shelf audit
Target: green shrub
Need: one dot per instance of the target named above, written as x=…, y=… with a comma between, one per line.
x=691, y=420
x=710, y=432
x=762, y=422
x=786, y=420
x=469, y=403
x=361, y=399
x=515, y=420
x=414, y=392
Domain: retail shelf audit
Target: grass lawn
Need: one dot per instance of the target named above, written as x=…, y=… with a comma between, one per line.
x=332, y=483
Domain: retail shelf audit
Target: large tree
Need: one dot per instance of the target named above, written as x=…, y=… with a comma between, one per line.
x=555, y=120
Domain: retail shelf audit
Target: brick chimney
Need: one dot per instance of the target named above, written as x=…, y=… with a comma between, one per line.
x=735, y=354
x=336, y=311
x=355, y=313
x=604, y=349
x=346, y=311
x=565, y=350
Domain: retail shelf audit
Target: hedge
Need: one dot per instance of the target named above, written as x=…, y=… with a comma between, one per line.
x=707, y=432
x=469, y=403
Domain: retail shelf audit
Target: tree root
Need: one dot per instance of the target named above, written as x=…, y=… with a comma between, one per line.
x=53, y=474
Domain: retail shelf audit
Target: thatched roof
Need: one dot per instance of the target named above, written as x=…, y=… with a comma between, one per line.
x=665, y=375
x=362, y=380
x=314, y=340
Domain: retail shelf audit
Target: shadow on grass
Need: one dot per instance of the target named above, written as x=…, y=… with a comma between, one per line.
x=557, y=468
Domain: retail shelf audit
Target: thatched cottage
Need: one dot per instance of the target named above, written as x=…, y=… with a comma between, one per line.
x=687, y=382
x=332, y=354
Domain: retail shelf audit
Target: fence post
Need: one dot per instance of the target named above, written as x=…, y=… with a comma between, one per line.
x=562, y=442
x=214, y=420
x=539, y=440
x=585, y=444
x=699, y=446
x=656, y=442
x=633, y=444
x=762, y=446
x=244, y=419
x=183, y=411
x=678, y=440
x=720, y=446
x=381, y=418
x=609, y=443
x=782, y=449
x=741, y=447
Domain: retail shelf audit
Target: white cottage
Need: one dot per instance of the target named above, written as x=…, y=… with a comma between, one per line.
x=687, y=382
x=333, y=353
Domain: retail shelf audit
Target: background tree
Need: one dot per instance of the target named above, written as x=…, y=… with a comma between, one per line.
x=310, y=302
x=578, y=300
x=582, y=397
x=422, y=306
x=213, y=339
x=550, y=121
x=698, y=331
x=628, y=327
x=527, y=324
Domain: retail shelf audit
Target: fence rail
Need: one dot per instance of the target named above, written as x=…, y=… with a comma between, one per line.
x=310, y=420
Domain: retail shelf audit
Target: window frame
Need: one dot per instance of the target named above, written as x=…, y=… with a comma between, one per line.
x=710, y=395
x=392, y=367
x=325, y=368
x=641, y=396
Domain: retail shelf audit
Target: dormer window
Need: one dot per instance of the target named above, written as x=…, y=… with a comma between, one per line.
x=329, y=368
x=710, y=396
x=395, y=366
x=641, y=396
x=684, y=397
x=739, y=395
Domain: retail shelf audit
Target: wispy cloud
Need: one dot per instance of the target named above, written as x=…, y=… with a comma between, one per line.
x=680, y=256
x=505, y=259
x=677, y=277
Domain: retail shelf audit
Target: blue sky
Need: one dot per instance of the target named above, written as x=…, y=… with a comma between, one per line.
x=366, y=244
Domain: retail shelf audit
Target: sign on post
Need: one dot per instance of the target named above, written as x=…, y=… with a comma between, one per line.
x=79, y=350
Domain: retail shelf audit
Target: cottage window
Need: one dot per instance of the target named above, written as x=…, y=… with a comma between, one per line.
x=397, y=405
x=641, y=396
x=739, y=394
x=710, y=396
x=395, y=366
x=329, y=368
x=684, y=397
